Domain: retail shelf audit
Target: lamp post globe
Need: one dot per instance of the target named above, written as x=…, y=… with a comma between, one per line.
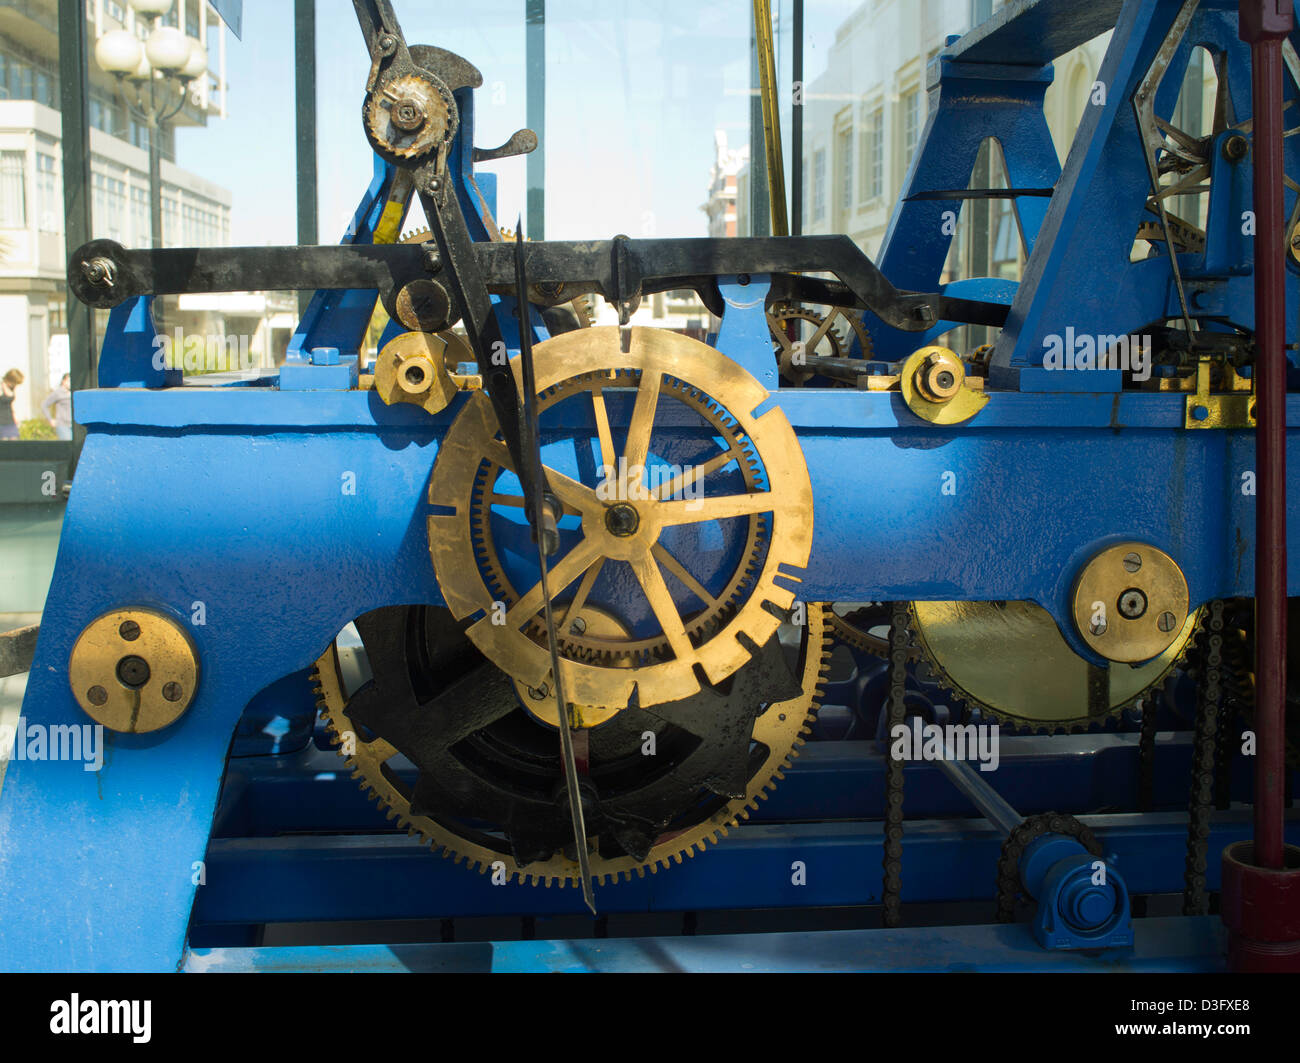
x=118, y=52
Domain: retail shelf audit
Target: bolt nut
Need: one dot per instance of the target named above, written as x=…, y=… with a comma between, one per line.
x=408, y=114
x=99, y=271
x=1235, y=148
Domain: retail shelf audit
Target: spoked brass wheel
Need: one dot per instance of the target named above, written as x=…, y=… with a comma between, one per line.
x=685, y=515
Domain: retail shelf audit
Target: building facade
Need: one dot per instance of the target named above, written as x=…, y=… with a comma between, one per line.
x=33, y=258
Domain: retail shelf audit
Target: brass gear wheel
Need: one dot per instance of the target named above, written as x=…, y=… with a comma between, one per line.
x=1010, y=661
x=778, y=731
x=747, y=498
x=823, y=332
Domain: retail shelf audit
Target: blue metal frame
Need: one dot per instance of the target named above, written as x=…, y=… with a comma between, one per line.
x=266, y=518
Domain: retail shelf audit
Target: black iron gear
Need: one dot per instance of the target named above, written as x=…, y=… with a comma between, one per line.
x=1014, y=847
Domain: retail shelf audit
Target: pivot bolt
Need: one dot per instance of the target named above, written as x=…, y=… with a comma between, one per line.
x=1132, y=604
x=408, y=114
x=133, y=671
x=99, y=272
x=622, y=520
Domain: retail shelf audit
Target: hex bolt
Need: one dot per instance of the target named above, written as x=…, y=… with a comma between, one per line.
x=408, y=114
x=172, y=691
x=129, y=630
x=1132, y=562
x=1166, y=621
x=97, y=695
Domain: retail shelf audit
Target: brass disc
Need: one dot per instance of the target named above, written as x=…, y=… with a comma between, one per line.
x=1130, y=602
x=540, y=701
x=1010, y=660
x=134, y=670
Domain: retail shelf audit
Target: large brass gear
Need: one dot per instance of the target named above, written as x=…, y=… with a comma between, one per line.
x=824, y=332
x=1010, y=661
x=777, y=733
x=642, y=367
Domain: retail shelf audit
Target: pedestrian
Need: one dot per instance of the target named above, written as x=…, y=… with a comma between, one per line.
x=61, y=399
x=8, y=390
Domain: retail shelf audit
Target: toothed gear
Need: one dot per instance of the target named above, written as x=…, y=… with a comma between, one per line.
x=488, y=783
x=752, y=510
x=833, y=332
x=1000, y=652
x=435, y=104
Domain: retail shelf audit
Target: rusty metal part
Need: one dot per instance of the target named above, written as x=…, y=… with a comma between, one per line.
x=935, y=387
x=134, y=670
x=658, y=364
x=777, y=733
x=17, y=648
x=423, y=306
x=1130, y=602
x=409, y=116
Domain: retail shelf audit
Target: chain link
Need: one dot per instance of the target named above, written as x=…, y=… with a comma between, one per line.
x=1204, y=759
x=899, y=638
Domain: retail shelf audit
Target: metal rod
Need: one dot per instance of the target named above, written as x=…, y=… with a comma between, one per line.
x=991, y=804
x=766, y=49
x=1264, y=24
x=304, y=59
x=796, y=120
x=74, y=107
x=535, y=113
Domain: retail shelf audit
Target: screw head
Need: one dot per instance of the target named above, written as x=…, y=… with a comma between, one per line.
x=129, y=630
x=172, y=691
x=578, y=627
x=97, y=695
x=1097, y=627
x=1166, y=621
x=1132, y=562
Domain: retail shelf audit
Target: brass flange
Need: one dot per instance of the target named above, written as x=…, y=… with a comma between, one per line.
x=935, y=388
x=1130, y=602
x=134, y=670
x=413, y=369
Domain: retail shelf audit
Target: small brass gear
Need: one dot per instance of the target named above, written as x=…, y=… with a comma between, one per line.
x=822, y=331
x=754, y=492
x=778, y=730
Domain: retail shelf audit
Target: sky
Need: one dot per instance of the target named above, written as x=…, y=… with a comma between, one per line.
x=635, y=93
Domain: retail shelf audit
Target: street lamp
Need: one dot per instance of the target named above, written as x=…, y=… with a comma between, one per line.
x=159, y=73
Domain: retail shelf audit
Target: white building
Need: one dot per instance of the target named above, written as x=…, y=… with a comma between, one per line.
x=33, y=259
